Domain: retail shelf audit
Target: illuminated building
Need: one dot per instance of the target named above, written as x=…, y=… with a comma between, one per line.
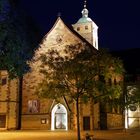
x=8, y=102
x=38, y=113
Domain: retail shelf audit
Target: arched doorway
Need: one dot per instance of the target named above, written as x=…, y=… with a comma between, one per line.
x=59, y=117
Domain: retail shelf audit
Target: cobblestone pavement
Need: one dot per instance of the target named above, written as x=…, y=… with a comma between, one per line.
x=68, y=135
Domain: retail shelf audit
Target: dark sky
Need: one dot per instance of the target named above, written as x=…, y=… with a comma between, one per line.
x=118, y=20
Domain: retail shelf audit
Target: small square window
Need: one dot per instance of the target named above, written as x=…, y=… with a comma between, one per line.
x=78, y=28
x=86, y=27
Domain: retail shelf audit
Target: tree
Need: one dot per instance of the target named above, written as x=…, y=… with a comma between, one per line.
x=17, y=43
x=17, y=39
x=78, y=76
x=132, y=97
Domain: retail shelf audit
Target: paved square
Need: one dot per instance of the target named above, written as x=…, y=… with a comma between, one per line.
x=68, y=135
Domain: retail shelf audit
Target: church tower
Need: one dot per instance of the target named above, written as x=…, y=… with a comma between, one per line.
x=87, y=28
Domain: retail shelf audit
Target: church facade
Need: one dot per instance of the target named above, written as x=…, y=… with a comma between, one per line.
x=39, y=113
x=48, y=114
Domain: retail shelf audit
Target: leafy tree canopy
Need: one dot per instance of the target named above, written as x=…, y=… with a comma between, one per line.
x=84, y=76
x=16, y=39
x=133, y=95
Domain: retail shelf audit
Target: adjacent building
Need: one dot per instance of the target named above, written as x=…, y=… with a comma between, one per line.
x=8, y=102
x=130, y=59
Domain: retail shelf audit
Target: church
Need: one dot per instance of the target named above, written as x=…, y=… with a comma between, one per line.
x=39, y=113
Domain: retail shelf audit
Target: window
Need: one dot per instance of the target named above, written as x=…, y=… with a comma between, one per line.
x=78, y=28
x=115, y=82
x=2, y=121
x=4, y=81
x=86, y=27
x=33, y=106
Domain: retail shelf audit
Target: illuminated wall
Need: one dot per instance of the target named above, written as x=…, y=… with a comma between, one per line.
x=8, y=101
x=132, y=112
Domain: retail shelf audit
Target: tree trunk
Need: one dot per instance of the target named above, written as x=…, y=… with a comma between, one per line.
x=78, y=121
x=20, y=103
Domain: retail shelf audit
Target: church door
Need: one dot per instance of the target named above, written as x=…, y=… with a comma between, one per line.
x=86, y=123
x=60, y=122
x=59, y=118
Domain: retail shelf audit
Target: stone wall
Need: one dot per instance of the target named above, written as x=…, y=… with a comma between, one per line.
x=96, y=116
x=57, y=39
x=8, y=101
x=36, y=121
x=114, y=121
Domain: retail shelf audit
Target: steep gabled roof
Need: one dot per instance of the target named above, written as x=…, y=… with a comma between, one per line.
x=70, y=28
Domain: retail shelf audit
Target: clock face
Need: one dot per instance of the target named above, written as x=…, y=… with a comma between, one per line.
x=58, y=38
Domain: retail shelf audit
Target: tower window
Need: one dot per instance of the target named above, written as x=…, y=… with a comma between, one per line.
x=78, y=28
x=86, y=27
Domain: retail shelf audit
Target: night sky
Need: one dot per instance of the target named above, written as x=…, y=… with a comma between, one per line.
x=118, y=20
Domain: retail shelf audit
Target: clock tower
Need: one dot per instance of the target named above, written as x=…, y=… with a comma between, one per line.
x=87, y=28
